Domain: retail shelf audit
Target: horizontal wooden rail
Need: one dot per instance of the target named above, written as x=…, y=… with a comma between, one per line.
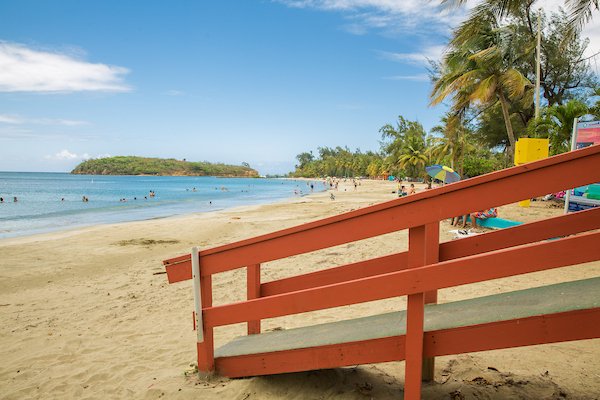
x=497, y=264
x=349, y=272
x=502, y=187
x=562, y=225
x=541, y=329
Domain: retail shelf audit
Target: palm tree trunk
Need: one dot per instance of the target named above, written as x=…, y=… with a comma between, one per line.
x=509, y=130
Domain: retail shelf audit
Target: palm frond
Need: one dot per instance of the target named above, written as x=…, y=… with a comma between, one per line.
x=581, y=11
x=485, y=90
x=515, y=82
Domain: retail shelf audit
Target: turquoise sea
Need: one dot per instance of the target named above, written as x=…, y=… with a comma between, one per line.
x=54, y=201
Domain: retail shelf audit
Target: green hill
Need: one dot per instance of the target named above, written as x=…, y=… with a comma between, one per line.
x=130, y=165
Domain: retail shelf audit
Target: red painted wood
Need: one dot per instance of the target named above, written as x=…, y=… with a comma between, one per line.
x=502, y=263
x=550, y=328
x=421, y=242
x=502, y=187
x=414, y=346
x=562, y=225
x=432, y=256
x=206, y=361
x=349, y=272
x=206, y=349
x=253, y=283
x=332, y=356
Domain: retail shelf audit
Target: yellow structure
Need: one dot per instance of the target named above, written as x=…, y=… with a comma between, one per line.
x=528, y=150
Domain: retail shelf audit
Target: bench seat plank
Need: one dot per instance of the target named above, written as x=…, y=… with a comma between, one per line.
x=551, y=299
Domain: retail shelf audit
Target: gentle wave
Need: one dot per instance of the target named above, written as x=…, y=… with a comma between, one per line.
x=50, y=201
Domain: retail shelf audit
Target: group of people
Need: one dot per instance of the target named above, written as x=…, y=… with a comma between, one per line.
x=402, y=191
x=485, y=214
x=86, y=199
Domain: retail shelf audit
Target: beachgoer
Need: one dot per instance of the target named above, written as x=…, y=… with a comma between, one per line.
x=485, y=214
x=331, y=196
x=1, y=199
x=15, y=199
x=412, y=189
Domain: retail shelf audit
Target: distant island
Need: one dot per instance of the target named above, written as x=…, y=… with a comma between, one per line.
x=131, y=165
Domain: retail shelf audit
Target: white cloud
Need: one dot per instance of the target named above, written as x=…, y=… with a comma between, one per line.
x=63, y=155
x=424, y=17
x=408, y=16
x=24, y=69
x=9, y=119
x=415, y=78
x=67, y=155
x=434, y=53
x=54, y=121
x=16, y=119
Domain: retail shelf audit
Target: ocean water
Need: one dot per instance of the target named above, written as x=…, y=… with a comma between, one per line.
x=53, y=201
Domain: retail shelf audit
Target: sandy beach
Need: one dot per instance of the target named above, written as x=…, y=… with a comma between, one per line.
x=88, y=314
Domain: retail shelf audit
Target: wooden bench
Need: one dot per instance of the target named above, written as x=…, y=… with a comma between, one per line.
x=489, y=315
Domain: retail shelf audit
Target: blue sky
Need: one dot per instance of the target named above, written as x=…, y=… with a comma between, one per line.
x=221, y=81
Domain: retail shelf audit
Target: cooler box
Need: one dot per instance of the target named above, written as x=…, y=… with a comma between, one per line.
x=530, y=149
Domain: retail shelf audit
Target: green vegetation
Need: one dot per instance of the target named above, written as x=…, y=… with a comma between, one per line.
x=486, y=79
x=130, y=165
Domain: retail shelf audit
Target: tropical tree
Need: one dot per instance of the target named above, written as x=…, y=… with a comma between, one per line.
x=556, y=124
x=405, y=146
x=453, y=143
x=478, y=70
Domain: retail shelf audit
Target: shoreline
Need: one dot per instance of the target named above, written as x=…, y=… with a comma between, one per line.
x=87, y=313
x=131, y=212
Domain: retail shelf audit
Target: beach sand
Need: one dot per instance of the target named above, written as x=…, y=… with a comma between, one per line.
x=88, y=314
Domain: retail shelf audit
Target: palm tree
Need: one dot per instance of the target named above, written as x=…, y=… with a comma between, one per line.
x=413, y=161
x=453, y=143
x=556, y=124
x=478, y=69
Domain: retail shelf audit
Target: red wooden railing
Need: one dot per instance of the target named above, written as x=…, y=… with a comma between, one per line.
x=418, y=273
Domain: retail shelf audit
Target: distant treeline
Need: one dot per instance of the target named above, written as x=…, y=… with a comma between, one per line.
x=131, y=165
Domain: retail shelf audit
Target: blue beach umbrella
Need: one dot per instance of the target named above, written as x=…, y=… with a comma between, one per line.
x=442, y=173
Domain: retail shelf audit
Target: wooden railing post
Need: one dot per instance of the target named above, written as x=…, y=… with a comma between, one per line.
x=253, y=281
x=432, y=256
x=202, y=299
x=423, y=248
